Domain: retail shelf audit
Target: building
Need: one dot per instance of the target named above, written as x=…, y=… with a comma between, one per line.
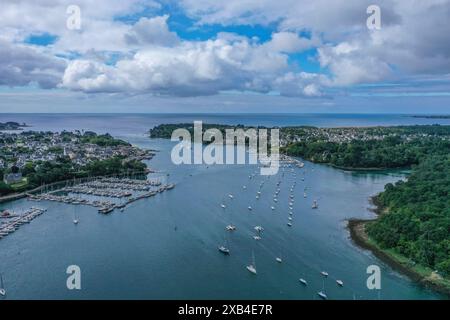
x=12, y=178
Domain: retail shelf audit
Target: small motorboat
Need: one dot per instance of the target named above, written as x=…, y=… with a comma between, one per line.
x=322, y=295
x=303, y=281
x=230, y=227
x=224, y=250
x=340, y=283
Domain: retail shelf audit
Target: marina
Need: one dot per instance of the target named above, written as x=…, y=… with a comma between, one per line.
x=100, y=193
x=287, y=173
x=14, y=221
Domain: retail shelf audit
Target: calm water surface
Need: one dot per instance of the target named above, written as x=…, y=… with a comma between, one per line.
x=166, y=246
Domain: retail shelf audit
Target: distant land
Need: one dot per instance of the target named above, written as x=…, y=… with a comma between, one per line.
x=436, y=116
x=11, y=125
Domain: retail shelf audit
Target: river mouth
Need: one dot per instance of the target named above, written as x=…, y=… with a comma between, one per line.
x=166, y=247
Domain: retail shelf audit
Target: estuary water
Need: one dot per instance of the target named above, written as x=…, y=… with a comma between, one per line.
x=165, y=247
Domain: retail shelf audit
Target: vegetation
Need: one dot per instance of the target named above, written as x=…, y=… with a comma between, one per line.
x=368, y=148
x=103, y=140
x=48, y=172
x=391, y=152
x=417, y=222
x=165, y=130
x=11, y=125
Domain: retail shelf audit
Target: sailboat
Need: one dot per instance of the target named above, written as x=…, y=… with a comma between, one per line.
x=315, y=205
x=2, y=288
x=75, y=220
x=224, y=249
x=322, y=293
x=230, y=227
x=252, y=267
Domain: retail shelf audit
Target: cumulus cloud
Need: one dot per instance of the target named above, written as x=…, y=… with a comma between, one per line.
x=291, y=42
x=120, y=50
x=22, y=65
x=192, y=68
x=412, y=40
x=151, y=31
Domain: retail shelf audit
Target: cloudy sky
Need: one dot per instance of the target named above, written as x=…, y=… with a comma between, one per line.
x=224, y=56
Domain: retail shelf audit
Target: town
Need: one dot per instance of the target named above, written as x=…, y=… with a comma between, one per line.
x=30, y=159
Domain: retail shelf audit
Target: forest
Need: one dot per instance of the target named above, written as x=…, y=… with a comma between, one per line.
x=417, y=219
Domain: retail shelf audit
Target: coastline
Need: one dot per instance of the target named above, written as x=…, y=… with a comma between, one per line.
x=417, y=273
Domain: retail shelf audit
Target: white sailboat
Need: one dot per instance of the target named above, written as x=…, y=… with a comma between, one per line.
x=75, y=220
x=2, y=288
x=322, y=293
x=224, y=249
x=252, y=266
x=230, y=227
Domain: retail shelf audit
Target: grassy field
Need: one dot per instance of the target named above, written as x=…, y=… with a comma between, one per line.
x=20, y=186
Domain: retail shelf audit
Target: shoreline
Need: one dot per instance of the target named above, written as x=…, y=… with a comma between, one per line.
x=359, y=236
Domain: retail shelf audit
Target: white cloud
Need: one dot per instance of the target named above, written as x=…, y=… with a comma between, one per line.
x=153, y=31
x=21, y=65
x=291, y=42
x=148, y=58
x=192, y=68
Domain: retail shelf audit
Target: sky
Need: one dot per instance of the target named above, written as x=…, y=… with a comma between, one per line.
x=225, y=56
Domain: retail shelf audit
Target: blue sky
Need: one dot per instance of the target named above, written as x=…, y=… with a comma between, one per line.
x=225, y=56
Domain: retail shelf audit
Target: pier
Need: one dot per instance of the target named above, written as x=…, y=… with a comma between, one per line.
x=16, y=220
x=87, y=193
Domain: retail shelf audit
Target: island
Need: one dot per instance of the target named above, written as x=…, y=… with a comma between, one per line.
x=11, y=126
x=433, y=116
x=412, y=231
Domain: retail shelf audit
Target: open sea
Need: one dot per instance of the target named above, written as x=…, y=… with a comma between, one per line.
x=165, y=247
